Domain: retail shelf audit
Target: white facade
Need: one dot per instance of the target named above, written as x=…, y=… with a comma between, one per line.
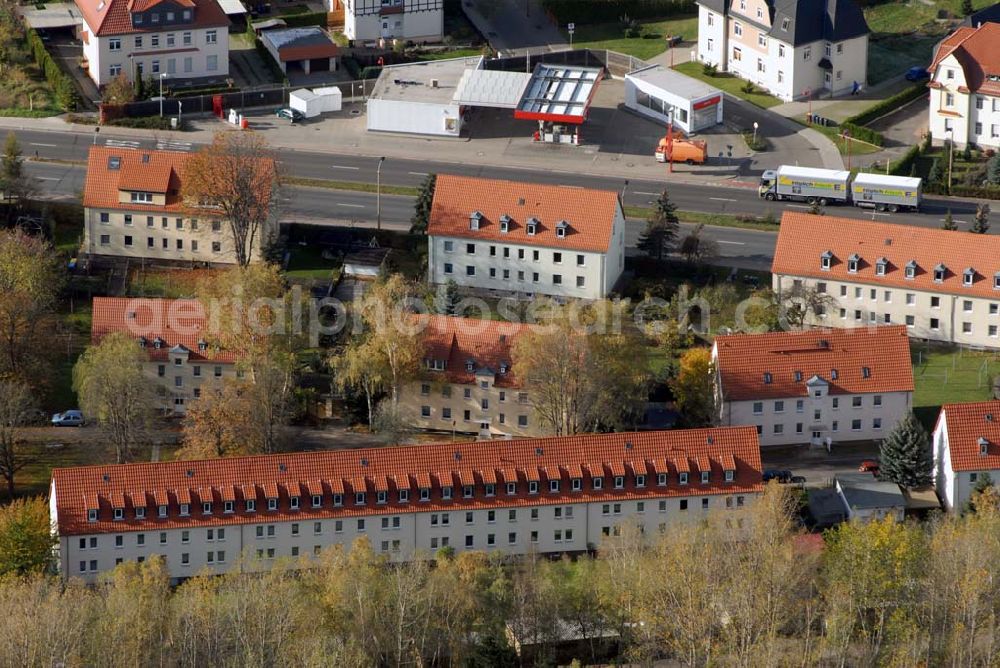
x=486, y=264
x=869, y=514
x=955, y=488
x=541, y=528
x=958, y=114
x=424, y=118
x=713, y=43
x=665, y=95
x=480, y=408
x=413, y=20
x=180, y=52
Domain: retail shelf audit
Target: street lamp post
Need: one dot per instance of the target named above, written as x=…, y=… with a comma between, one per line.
x=378, y=195
x=951, y=154
x=755, y=126
x=180, y=110
x=847, y=138
x=163, y=75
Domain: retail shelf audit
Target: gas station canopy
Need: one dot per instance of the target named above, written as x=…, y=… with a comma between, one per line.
x=559, y=94
x=491, y=88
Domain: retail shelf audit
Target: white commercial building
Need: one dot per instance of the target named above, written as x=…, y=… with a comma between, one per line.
x=814, y=386
x=966, y=445
x=508, y=236
x=965, y=87
x=514, y=497
x=664, y=94
x=154, y=39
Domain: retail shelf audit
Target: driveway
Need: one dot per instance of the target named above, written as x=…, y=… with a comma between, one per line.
x=514, y=27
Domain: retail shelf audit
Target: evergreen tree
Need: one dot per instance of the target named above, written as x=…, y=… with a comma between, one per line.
x=967, y=152
x=422, y=207
x=967, y=7
x=448, y=298
x=906, y=454
x=934, y=176
x=981, y=224
x=662, y=228
x=993, y=170
x=913, y=169
x=949, y=222
x=984, y=495
x=140, y=86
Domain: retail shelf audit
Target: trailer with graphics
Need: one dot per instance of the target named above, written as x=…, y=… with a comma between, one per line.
x=886, y=193
x=805, y=184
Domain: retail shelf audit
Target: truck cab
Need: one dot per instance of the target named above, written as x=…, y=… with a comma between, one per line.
x=767, y=183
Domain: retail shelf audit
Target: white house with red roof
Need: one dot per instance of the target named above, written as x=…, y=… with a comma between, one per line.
x=966, y=443
x=174, y=333
x=814, y=386
x=547, y=496
x=178, y=39
x=468, y=384
x=531, y=239
x=965, y=87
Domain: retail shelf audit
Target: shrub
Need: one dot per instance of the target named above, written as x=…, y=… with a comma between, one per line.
x=993, y=170
x=143, y=122
x=967, y=152
x=352, y=66
x=709, y=69
x=907, y=163
x=63, y=89
x=934, y=175
x=370, y=72
x=747, y=87
x=864, y=134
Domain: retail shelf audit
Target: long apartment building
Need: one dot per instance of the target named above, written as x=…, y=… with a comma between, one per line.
x=498, y=236
x=943, y=286
x=134, y=208
x=467, y=384
x=174, y=334
x=550, y=495
x=179, y=39
x=814, y=386
x=966, y=445
x=793, y=48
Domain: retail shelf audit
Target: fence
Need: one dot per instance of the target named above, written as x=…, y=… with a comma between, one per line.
x=249, y=98
x=617, y=64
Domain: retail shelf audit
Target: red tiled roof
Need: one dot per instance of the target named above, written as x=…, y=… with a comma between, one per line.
x=803, y=238
x=173, y=321
x=488, y=344
x=977, y=52
x=72, y=485
x=747, y=361
x=147, y=171
x=113, y=17
x=966, y=424
x=589, y=213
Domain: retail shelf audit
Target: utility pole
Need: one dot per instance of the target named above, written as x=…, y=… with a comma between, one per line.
x=378, y=195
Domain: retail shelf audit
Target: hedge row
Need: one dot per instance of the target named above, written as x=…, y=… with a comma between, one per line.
x=62, y=86
x=604, y=11
x=889, y=104
x=862, y=133
x=203, y=90
x=350, y=64
x=902, y=166
x=303, y=20
x=957, y=190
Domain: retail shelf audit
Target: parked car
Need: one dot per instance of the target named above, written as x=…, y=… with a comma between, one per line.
x=777, y=474
x=293, y=115
x=917, y=73
x=71, y=418
x=869, y=466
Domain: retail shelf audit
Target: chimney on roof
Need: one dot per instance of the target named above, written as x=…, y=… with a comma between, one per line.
x=823, y=343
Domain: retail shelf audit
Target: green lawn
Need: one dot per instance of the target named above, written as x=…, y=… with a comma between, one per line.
x=651, y=43
x=834, y=134
x=307, y=262
x=891, y=55
x=730, y=84
x=906, y=17
x=943, y=375
x=454, y=53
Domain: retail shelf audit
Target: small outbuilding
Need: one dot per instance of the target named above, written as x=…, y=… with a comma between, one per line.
x=308, y=49
x=662, y=94
x=314, y=102
x=866, y=498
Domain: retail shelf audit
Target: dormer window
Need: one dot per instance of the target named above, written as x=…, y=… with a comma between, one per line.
x=202, y=345
x=470, y=365
x=880, y=266
x=833, y=374
x=576, y=484
x=730, y=475
x=142, y=341
x=619, y=482
x=140, y=512
x=561, y=228
x=435, y=365
x=939, y=272
x=272, y=504
x=825, y=260
x=425, y=494
x=640, y=481
x=141, y=198
x=682, y=477
x=185, y=509
x=228, y=506
x=474, y=219
x=554, y=486
x=119, y=514
x=467, y=491
x=852, y=263
x=403, y=495
x=157, y=343
x=250, y=505
x=705, y=476
x=490, y=489
x=359, y=498
x=161, y=511
x=503, y=368
x=293, y=502
x=511, y=488
x=984, y=446
x=91, y=516
x=338, y=500
x=206, y=508
x=381, y=496
x=910, y=270
x=505, y=223
x=446, y=492
x=532, y=487
x=532, y=226
x=597, y=482
x=968, y=276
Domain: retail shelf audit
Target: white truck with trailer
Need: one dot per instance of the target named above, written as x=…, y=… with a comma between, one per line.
x=835, y=186
x=805, y=184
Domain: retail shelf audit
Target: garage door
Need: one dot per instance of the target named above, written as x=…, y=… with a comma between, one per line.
x=319, y=65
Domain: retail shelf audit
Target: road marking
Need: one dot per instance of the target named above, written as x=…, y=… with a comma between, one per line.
x=47, y=178
x=722, y=199
x=344, y=167
x=419, y=173
x=732, y=243
x=353, y=206
x=45, y=145
x=955, y=221
x=639, y=192
x=799, y=206
x=561, y=185
x=121, y=143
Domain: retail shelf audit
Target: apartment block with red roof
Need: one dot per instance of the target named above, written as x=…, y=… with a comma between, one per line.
x=133, y=208
x=944, y=286
x=965, y=87
x=493, y=236
x=549, y=496
x=178, y=39
x=966, y=443
x=467, y=383
x=371, y=20
x=815, y=386
x=175, y=336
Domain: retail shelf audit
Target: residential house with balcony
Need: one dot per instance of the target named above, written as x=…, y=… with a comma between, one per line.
x=965, y=87
x=814, y=386
x=966, y=443
x=179, y=39
x=134, y=208
x=530, y=496
x=792, y=48
x=182, y=360
x=467, y=384
x=495, y=236
x=944, y=286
